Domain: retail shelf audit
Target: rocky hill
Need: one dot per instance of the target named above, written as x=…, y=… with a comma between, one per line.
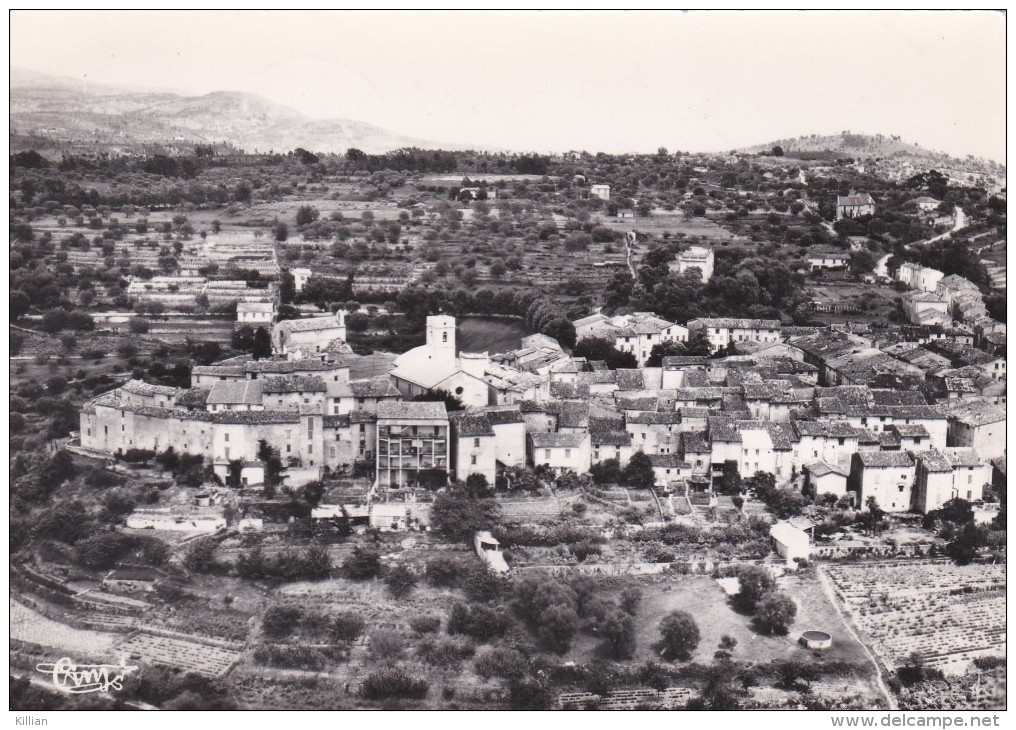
x=66, y=115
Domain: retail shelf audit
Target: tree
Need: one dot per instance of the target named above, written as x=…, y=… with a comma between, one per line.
x=775, y=612
x=968, y=541
x=19, y=304
x=306, y=214
x=639, y=472
x=874, y=516
x=725, y=651
x=606, y=472
x=557, y=627
x=261, y=346
x=618, y=632
x=457, y=515
x=280, y=231
x=200, y=556
x=679, y=636
x=477, y=486
x=755, y=581
x=665, y=349
x=600, y=348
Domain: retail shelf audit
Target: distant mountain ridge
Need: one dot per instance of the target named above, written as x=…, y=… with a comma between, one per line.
x=67, y=112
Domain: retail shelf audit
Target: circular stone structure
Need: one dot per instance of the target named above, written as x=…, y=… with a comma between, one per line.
x=816, y=639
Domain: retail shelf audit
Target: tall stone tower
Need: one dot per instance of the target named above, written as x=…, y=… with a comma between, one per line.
x=441, y=340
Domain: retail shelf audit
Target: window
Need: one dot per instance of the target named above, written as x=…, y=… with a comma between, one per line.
x=472, y=460
x=105, y=430
x=332, y=451
x=444, y=337
x=363, y=427
x=567, y=453
x=226, y=438
x=546, y=453
x=841, y=441
x=310, y=448
x=289, y=448
x=901, y=487
x=227, y=452
x=476, y=443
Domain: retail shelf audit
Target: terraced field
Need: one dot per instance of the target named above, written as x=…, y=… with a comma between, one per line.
x=34, y=628
x=949, y=614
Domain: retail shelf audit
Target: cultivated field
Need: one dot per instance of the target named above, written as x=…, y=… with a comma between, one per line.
x=948, y=614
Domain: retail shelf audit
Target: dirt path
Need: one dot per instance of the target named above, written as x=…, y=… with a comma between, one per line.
x=879, y=679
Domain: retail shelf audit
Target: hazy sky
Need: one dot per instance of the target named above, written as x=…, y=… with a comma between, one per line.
x=545, y=81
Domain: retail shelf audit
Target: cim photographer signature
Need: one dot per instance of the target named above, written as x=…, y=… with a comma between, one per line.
x=84, y=678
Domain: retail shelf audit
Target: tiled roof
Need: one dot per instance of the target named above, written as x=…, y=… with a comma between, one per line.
x=310, y=324
x=412, y=410
x=292, y=384
x=193, y=398
x=668, y=461
x=885, y=459
x=630, y=379
x=271, y=366
x=933, y=461
x=959, y=456
x=373, y=388
x=498, y=415
x=735, y=323
x=557, y=440
x=140, y=387
x=235, y=392
x=910, y=430
x=610, y=438
x=821, y=469
x=471, y=425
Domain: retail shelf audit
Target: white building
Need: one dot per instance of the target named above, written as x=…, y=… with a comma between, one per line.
x=600, y=191
x=255, y=313
x=721, y=331
x=696, y=257
x=300, y=277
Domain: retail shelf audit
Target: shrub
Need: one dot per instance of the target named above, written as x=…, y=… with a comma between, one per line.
x=347, y=626
x=386, y=647
x=444, y=571
x=400, y=581
x=425, y=624
x=392, y=683
x=502, y=662
x=479, y=622
x=363, y=564
x=443, y=652
x=280, y=621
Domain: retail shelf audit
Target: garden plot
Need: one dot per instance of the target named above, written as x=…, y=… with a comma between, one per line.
x=948, y=614
x=188, y=656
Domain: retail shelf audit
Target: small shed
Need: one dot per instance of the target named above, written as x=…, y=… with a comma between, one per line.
x=792, y=542
x=130, y=580
x=489, y=550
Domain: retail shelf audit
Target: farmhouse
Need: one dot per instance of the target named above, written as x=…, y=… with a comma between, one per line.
x=696, y=257
x=722, y=331
x=311, y=335
x=854, y=205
